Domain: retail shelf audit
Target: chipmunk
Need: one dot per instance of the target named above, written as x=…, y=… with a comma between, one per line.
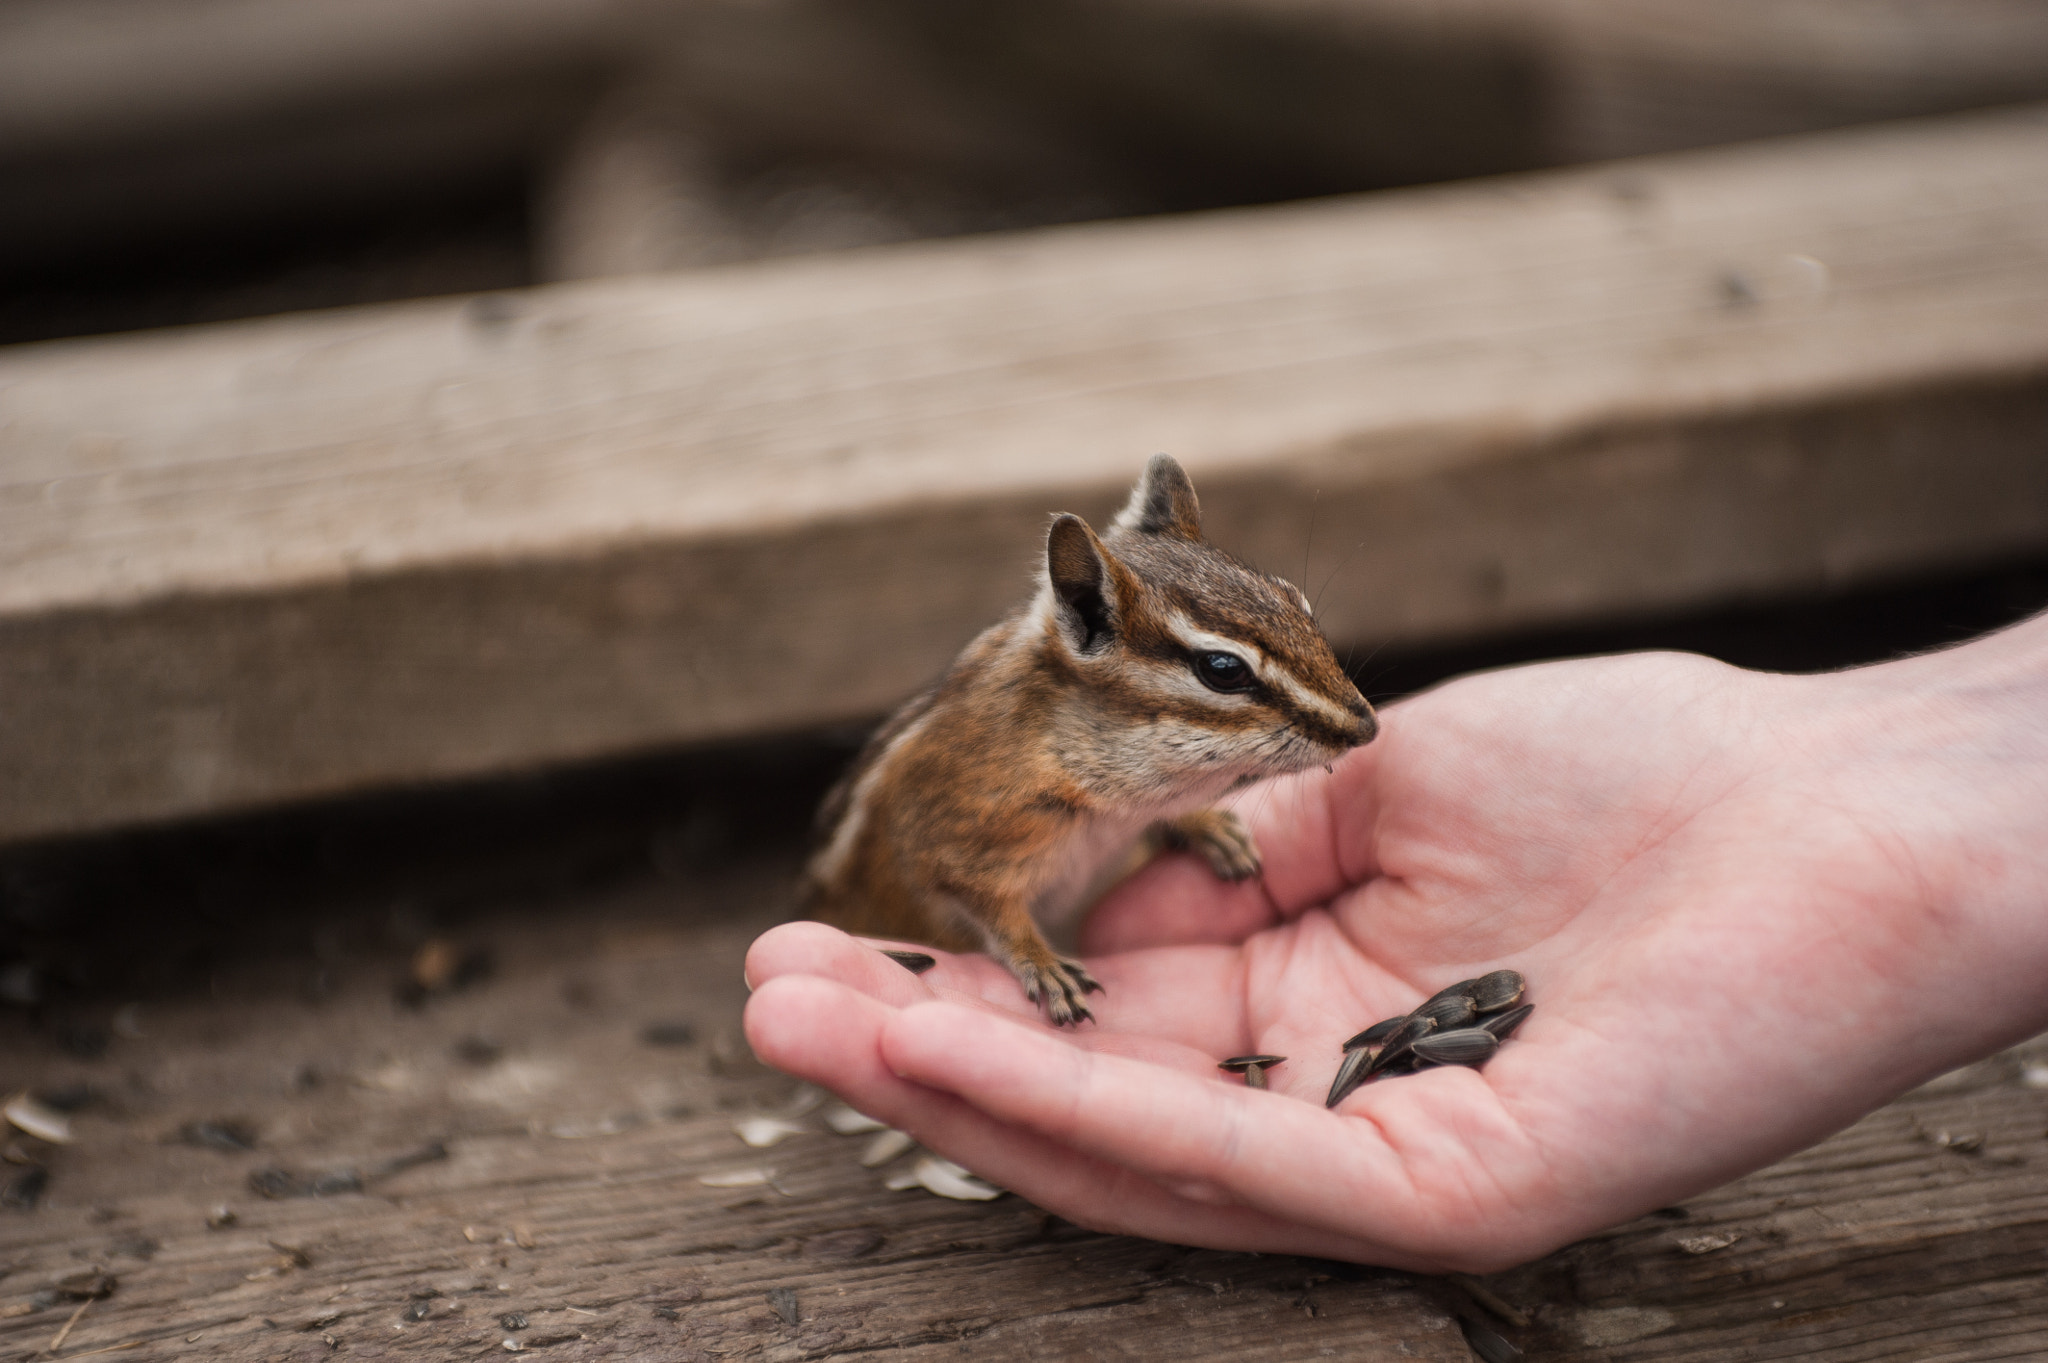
x=1150, y=674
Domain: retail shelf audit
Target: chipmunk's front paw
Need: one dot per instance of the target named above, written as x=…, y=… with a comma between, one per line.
x=1060, y=985
x=1222, y=839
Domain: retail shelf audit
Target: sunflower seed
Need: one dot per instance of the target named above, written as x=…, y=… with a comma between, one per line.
x=1503, y=1025
x=1464, y=1046
x=1461, y=990
x=1252, y=1067
x=916, y=962
x=1493, y=992
x=1375, y=1034
x=1448, y=1014
x=1400, y=1043
x=1350, y=1075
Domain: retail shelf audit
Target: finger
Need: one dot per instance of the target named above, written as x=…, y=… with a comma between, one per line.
x=827, y=1033
x=1353, y=1175
x=1315, y=837
x=1176, y=900
x=818, y=949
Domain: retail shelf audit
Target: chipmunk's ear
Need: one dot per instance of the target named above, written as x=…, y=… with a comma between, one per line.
x=1163, y=502
x=1077, y=567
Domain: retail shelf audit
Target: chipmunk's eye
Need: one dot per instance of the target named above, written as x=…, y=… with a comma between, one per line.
x=1224, y=672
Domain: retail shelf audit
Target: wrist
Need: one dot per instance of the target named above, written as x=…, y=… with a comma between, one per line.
x=1941, y=760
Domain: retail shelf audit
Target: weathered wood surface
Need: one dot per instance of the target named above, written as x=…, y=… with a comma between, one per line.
x=571, y=1193
x=274, y=559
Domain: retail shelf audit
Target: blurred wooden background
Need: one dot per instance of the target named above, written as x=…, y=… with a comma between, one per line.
x=772, y=474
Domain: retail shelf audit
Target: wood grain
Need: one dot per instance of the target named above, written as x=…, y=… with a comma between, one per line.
x=572, y=1189
x=275, y=559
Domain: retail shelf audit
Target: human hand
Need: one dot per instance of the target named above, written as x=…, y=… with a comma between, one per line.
x=1750, y=909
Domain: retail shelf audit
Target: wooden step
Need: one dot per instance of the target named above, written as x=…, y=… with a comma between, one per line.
x=271, y=560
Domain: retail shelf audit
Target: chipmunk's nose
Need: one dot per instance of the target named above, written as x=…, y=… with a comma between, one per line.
x=1368, y=723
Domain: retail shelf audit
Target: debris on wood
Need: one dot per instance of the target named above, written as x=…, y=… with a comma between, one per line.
x=948, y=1179
x=229, y=1135
x=1488, y=1346
x=1708, y=1243
x=90, y=1284
x=278, y=1184
x=58, y=1342
x=25, y=1190
x=783, y=1299
x=1490, y=1300
x=35, y=1118
x=847, y=1122
x=886, y=1146
x=762, y=1132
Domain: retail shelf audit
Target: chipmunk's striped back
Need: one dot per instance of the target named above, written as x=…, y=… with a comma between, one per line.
x=1151, y=674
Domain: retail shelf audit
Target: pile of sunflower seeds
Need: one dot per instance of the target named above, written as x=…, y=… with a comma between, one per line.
x=1461, y=1025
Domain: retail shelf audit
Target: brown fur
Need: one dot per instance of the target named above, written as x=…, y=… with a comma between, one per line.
x=1072, y=729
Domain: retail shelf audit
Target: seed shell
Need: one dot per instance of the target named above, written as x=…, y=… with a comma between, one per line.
x=1448, y=1013
x=1472, y=1046
x=1503, y=1025
x=1375, y=1034
x=916, y=962
x=1400, y=1043
x=1252, y=1067
x=1462, y=989
x=1493, y=992
x=1350, y=1075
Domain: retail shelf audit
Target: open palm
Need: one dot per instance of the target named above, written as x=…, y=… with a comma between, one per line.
x=1690, y=864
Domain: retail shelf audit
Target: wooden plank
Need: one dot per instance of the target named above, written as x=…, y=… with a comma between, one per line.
x=269, y=560
x=572, y=1189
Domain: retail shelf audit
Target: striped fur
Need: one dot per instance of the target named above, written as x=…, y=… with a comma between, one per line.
x=1074, y=731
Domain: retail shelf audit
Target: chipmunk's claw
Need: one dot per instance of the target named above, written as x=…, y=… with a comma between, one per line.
x=1060, y=986
x=1226, y=844
x=1219, y=836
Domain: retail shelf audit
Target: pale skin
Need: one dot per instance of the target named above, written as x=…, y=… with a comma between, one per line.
x=1751, y=908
